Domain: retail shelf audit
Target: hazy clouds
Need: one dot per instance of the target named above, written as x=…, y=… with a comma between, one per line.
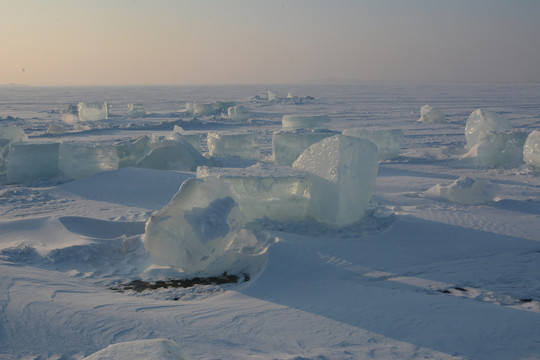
x=75, y=42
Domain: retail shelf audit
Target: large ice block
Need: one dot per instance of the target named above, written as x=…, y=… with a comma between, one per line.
x=32, y=160
x=389, y=141
x=430, y=114
x=132, y=150
x=173, y=152
x=223, y=144
x=481, y=121
x=500, y=148
x=275, y=192
x=136, y=110
x=195, y=229
x=93, y=111
x=293, y=122
x=288, y=145
x=531, y=149
x=344, y=170
x=464, y=190
x=223, y=106
x=80, y=160
x=238, y=113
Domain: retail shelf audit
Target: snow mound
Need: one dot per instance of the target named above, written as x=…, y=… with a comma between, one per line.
x=153, y=349
x=430, y=114
x=464, y=190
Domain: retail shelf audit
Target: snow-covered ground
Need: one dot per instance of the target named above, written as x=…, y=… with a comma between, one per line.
x=418, y=278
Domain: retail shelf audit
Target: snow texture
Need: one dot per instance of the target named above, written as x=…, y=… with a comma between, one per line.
x=464, y=190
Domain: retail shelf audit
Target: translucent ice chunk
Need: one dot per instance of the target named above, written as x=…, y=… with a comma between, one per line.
x=288, y=145
x=32, y=160
x=136, y=110
x=293, y=122
x=389, y=142
x=171, y=153
x=132, y=150
x=464, y=190
x=344, y=170
x=238, y=113
x=195, y=228
x=78, y=160
x=429, y=114
x=531, y=149
x=277, y=193
x=223, y=106
x=93, y=111
x=54, y=129
x=481, y=121
x=272, y=95
x=500, y=148
x=244, y=146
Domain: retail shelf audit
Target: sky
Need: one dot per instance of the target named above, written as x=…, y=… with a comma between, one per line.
x=180, y=42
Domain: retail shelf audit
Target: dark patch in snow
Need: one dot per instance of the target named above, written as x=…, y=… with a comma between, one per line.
x=141, y=285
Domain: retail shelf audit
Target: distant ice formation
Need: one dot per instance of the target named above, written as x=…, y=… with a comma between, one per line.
x=238, y=113
x=531, y=149
x=136, y=110
x=389, y=141
x=465, y=190
x=244, y=146
x=430, y=114
x=295, y=122
x=215, y=108
x=272, y=97
x=481, y=121
x=93, y=111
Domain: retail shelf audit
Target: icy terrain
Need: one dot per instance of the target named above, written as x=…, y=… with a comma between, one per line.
x=444, y=265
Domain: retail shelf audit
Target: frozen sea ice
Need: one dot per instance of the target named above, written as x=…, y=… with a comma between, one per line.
x=481, y=121
x=430, y=114
x=78, y=160
x=389, y=141
x=531, y=149
x=288, y=145
x=93, y=111
x=344, y=170
x=32, y=160
x=244, y=146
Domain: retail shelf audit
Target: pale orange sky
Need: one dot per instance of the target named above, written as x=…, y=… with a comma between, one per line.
x=151, y=42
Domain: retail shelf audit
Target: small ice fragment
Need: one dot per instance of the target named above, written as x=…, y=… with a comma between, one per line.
x=389, y=142
x=136, y=110
x=481, y=121
x=56, y=129
x=294, y=122
x=238, y=113
x=465, y=190
x=430, y=114
x=93, y=111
